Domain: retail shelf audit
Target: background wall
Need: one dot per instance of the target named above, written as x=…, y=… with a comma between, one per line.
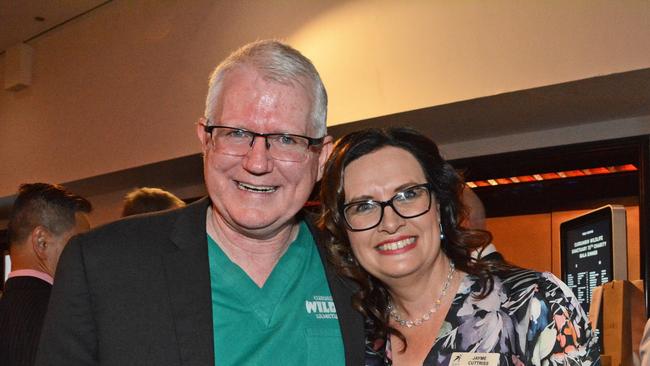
x=122, y=86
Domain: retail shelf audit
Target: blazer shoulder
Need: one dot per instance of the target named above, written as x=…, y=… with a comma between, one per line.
x=151, y=227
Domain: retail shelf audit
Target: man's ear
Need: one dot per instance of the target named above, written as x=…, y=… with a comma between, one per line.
x=39, y=239
x=201, y=134
x=325, y=153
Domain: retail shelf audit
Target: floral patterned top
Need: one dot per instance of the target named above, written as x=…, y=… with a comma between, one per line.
x=530, y=318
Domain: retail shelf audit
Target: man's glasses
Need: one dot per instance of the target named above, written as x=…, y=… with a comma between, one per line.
x=408, y=203
x=281, y=146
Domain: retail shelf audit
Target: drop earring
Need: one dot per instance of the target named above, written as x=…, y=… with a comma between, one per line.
x=442, y=234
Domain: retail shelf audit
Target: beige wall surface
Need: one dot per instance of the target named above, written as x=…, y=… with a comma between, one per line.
x=123, y=85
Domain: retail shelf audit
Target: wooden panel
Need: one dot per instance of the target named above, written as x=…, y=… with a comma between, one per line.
x=633, y=244
x=523, y=240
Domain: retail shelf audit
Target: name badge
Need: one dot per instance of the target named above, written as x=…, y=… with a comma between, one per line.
x=474, y=359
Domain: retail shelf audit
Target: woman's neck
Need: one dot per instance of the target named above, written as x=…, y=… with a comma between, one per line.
x=415, y=295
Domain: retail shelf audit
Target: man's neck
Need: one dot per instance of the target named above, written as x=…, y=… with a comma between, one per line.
x=28, y=272
x=26, y=260
x=256, y=256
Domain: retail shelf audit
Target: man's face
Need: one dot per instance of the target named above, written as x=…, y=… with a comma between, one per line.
x=254, y=194
x=58, y=242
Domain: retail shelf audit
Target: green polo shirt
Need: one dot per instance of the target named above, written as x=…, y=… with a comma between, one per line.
x=291, y=320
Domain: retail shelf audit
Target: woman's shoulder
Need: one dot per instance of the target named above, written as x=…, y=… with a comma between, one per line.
x=516, y=287
x=520, y=279
x=527, y=305
x=511, y=278
x=538, y=296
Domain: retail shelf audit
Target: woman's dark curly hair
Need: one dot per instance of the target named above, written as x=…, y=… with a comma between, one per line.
x=372, y=297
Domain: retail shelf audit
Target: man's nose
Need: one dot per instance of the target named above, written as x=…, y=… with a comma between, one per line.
x=258, y=158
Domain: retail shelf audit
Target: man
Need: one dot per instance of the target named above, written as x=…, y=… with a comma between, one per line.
x=145, y=200
x=234, y=279
x=476, y=220
x=42, y=220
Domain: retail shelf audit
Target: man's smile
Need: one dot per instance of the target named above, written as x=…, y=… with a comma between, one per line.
x=256, y=188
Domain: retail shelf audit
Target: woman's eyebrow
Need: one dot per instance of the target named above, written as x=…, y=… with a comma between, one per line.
x=364, y=197
x=405, y=186
x=398, y=189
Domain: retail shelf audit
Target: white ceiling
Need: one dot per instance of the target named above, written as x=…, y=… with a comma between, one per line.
x=18, y=23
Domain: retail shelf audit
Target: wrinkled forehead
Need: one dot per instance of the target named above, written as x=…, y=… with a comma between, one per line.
x=250, y=75
x=247, y=91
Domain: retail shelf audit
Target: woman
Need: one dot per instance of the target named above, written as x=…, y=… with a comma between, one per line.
x=392, y=206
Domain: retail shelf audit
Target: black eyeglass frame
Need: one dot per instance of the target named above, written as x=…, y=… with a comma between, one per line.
x=311, y=141
x=383, y=205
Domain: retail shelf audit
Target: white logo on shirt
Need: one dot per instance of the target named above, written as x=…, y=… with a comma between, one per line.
x=322, y=306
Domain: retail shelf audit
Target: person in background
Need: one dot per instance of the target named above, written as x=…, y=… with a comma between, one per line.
x=644, y=347
x=145, y=199
x=43, y=218
x=395, y=231
x=238, y=278
x=475, y=219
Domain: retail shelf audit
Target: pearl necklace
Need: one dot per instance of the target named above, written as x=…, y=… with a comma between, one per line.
x=426, y=316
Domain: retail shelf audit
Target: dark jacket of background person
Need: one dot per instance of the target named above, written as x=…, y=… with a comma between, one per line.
x=148, y=281
x=25, y=299
x=43, y=218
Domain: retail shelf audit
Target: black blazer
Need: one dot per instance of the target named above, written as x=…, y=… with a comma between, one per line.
x=22, y=309
x=137, y=292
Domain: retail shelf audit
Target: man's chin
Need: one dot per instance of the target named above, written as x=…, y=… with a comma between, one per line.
x=259, y=222
x=258, y=219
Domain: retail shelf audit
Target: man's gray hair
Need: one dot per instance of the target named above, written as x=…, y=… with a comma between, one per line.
x=280, y=63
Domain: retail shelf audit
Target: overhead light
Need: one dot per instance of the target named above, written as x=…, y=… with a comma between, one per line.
x=552, y=175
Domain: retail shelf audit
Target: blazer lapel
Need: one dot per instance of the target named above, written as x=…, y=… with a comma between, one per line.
x=188, y=277
x=350, y=320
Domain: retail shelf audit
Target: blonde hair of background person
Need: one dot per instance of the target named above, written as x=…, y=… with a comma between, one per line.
x=145, y=199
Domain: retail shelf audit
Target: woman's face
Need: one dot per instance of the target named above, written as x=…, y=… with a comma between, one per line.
x=397, y=247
